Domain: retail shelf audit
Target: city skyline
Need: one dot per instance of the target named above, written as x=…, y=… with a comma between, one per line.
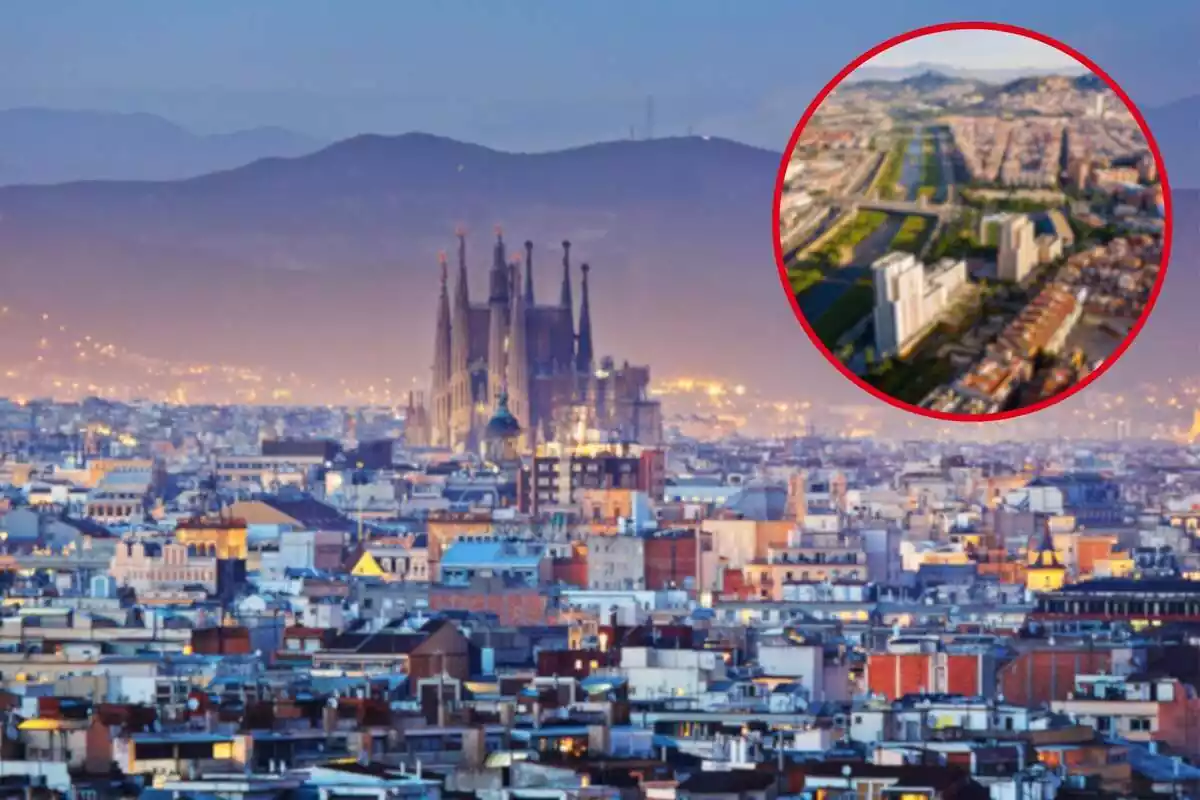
x=454, y=438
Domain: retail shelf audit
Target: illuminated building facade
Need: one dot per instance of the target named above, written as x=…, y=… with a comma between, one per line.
x=533, y=353
x=221, y=539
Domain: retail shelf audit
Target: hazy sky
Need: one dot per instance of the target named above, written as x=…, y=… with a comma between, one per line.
x=977, y=49
x=520, y=74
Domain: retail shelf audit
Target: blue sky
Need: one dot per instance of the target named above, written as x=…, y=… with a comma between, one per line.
x=519, y=74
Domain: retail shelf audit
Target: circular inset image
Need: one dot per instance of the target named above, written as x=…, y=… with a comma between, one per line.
x=972, y=221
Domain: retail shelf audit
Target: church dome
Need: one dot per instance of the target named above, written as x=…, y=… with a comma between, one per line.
x=502, y=425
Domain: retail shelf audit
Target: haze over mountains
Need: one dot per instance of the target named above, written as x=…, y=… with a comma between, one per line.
x=40, y=145
x=43, y=146
x=326, y=264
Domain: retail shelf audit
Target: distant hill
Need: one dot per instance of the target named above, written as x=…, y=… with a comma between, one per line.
x=39, y=146
x=996, y=76
x=930, y=80
x=328, y=262
x=1036, y=83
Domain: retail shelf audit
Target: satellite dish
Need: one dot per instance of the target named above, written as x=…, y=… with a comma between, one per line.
x=193, y=704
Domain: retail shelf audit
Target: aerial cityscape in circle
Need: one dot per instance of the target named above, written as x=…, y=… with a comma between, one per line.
x=972, y=243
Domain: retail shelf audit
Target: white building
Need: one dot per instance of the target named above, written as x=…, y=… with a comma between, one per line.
x=662, y=674
x=1018, y=248
x=910, y=297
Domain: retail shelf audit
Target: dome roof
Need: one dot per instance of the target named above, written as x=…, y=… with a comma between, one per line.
x=502, y=425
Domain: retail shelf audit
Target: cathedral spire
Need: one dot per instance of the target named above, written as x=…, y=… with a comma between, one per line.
x=529, y=273
x=516, y=377
x=498, y=322
x=442, y=343
x=565, y=300
x=583, y=356
x=499, y=274
x=461, y=317
x=462, y=295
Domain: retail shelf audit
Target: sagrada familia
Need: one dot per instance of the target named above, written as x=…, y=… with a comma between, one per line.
x=514, y=356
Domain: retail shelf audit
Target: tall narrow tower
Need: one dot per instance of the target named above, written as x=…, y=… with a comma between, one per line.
x=517, y=367
x=528, y=274
x=461, y=402
x=442, y=364
x=498, y=311
x=583, y=355
x=565, y=296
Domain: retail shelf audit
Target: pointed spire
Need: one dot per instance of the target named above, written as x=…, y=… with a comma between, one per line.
x=498, y=280
x=516, y=377
x=461, y=326
x=565, y=300
x=442, y=345
x=583, y=357
x=529, y=273
x=1046, y=555
x=462, y=295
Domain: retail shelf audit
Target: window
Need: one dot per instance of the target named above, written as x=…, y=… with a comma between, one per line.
x=1139, y=724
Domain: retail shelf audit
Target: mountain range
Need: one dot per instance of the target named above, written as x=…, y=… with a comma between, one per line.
x=932, y=80
x=45, y=146
x=41, y=145
x=326, y=264
x=899, y=73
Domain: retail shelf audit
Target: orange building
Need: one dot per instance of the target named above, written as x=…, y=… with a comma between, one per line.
x=1092, y=548
x=895, y=675
x=218, y=538
x=1042, y=676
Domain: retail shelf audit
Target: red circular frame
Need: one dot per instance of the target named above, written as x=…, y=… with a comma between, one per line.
x=1168, y=219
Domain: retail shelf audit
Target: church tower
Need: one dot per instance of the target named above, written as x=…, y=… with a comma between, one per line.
x=584, y=358
x=498, y=312
x=442, y=345
x=461, y=402
x=517, y=368
x=529, y=274
x=1045, y=573
x=564, y=298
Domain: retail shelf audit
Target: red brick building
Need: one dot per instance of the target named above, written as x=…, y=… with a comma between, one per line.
x=572, y=570
x=1047, y=674
x=512, y=606
x=895, y=675
x=221, y=641
x=671, y=558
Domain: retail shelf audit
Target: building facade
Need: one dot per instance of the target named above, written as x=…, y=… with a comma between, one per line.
x=534, y=353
